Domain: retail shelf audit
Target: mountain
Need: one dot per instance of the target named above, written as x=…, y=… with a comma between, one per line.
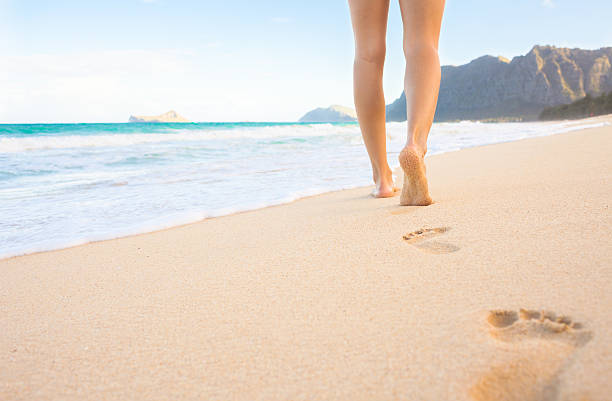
x=169, y=117
x=497, y=88
x=331, y=114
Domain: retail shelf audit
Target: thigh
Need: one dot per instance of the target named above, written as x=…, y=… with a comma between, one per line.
x=369, y=18
x=422, y=21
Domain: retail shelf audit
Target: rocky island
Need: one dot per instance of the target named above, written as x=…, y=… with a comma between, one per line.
x=169, y=117
x=331, y=114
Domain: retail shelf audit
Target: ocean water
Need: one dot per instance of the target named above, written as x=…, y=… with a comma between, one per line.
x=66, y=184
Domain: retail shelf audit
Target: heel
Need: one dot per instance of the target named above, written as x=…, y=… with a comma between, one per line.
x=415, y=191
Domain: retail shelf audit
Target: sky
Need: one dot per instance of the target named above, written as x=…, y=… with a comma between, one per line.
x=239, y=60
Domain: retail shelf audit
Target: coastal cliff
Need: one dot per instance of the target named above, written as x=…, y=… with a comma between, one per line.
x=169, y=117
x=497, y=88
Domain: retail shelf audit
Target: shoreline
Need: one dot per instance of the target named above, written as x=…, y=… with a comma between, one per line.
x=341, y=296
x=591, y=122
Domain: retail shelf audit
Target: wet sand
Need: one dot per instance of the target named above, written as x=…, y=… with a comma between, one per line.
x=501, y=290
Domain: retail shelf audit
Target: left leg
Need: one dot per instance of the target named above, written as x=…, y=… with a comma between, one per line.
x=369, y=18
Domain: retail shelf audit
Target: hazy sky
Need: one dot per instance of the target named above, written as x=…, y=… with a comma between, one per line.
x=240, y=60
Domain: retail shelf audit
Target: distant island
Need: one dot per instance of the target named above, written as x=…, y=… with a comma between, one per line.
x=498, y=89
x=169, y=117
x=331, y=114
x=588, y=106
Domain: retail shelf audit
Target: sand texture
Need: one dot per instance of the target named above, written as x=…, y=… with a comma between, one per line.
x=500, y=290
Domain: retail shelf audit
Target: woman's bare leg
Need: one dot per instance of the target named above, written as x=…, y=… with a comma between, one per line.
x=369, y=19
x=422, y=20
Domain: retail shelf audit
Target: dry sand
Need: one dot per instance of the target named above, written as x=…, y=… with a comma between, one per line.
x=340, y=296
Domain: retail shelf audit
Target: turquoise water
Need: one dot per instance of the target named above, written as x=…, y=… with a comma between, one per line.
x=21, y=130
x=66, y=184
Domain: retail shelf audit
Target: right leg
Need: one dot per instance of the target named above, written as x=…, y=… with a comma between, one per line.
x=422, y=20
x=369, y=19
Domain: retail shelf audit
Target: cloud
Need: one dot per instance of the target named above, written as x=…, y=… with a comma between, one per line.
x=203, y=84
x=548, y=3
x=96, y=85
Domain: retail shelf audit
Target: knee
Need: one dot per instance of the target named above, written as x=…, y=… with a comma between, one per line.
x=420, y=50
x=371, y=53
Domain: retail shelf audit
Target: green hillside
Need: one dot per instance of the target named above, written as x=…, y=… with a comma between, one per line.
x=588, y=106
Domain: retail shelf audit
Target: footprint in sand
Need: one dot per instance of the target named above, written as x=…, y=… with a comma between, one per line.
x=543, y=344
x=421, y=239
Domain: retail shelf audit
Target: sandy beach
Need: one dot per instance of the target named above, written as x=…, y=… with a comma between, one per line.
x=341, y=296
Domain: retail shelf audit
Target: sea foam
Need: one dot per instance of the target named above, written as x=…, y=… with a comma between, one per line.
x=64, y=185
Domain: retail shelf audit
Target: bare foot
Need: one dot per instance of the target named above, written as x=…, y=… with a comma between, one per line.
x=415, y=191
x=384, y=185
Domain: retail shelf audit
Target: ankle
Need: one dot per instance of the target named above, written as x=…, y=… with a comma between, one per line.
x=418, y=149
x=382, y=175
